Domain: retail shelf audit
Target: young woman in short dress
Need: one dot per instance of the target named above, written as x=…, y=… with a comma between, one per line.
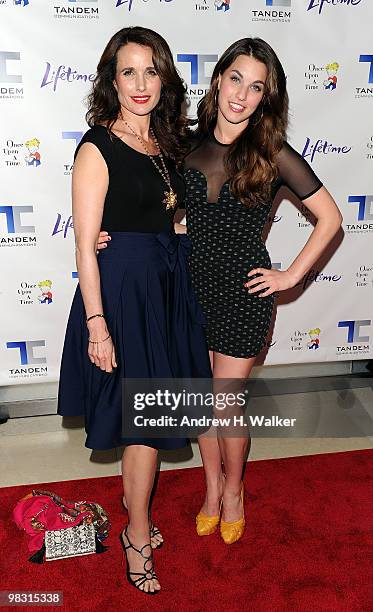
x=238, y=160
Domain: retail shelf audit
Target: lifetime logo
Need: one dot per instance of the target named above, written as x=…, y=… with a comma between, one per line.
x=13, y=219
x=365, y=210
x=5, y=76
x=353, y=330
x=26, y=351
x=197, y=66
x=130, y=2
x=369, y=60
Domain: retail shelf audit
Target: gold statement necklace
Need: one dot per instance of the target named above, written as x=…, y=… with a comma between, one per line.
x=170, y=199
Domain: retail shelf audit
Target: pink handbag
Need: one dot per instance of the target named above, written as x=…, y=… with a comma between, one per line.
x=41, y=511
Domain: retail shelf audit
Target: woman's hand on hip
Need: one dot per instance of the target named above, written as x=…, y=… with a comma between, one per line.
x=269, y=281
x=102, y=240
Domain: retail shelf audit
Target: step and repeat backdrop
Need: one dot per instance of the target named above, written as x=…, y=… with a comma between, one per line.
x=49, y=50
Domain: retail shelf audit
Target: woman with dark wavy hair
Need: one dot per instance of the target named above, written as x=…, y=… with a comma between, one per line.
x=134, y=314
x=239, y=161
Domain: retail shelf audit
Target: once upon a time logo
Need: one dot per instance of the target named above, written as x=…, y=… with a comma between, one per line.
x=369, y=146
x=321, y=78
x=14, y=154
x=280, y=14
x=63, y=73
x=301, y=340
x=35, y=292
x=219, y=5
x=364, y=276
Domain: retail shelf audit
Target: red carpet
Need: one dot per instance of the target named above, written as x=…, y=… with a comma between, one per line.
x=307, y=545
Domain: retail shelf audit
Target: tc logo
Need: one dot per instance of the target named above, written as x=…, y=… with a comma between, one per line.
x=21, y=2
x=197, y=66
x=77, y=136
x=26, y=350
x=4, y=76
x=13, y=219
x=353, y=327
x=278, y=2
x=369, y=60
x=365, y=212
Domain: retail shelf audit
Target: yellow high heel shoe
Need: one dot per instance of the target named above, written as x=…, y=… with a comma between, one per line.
x=231, y=531
x=206, y=525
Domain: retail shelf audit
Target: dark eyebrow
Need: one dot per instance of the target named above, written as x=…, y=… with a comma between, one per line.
x=132, y=68
x=240, y=75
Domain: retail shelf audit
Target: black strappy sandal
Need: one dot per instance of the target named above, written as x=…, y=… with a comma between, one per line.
x=154, y=531
x=147, y=574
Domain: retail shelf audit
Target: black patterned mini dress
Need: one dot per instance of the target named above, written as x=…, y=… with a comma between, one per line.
x=227, y=243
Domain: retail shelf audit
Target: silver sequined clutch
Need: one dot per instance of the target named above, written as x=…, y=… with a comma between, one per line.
x=70, y=542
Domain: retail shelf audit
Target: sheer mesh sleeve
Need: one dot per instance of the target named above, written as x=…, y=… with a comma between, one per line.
x=296, y=173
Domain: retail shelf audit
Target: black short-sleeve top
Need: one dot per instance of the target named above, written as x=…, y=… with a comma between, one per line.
x=134, y=199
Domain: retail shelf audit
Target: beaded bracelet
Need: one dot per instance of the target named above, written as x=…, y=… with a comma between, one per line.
x=98, y=341
x=93, y=316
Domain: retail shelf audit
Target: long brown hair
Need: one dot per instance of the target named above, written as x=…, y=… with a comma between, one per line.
x=167, y=119
x=250, y=160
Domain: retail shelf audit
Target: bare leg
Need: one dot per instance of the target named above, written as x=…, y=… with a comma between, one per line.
x=212, y=463
x=233, y=450
x=138, y=469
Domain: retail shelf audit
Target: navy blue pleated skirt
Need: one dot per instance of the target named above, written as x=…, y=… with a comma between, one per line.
x=157, y=327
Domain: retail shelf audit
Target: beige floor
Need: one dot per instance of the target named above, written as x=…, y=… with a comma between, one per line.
x=47, y=449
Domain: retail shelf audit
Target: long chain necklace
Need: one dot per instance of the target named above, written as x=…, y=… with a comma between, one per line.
x=170, y=199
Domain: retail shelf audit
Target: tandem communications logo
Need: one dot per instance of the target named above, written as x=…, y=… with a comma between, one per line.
x=76, y=9
x=11, y=87
x=197, y=70
x=366, y=90
x=14, y=226
x=75, y=138
x=363, y=205
x=31, y=362
x=273, y=11
x=357, y=340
